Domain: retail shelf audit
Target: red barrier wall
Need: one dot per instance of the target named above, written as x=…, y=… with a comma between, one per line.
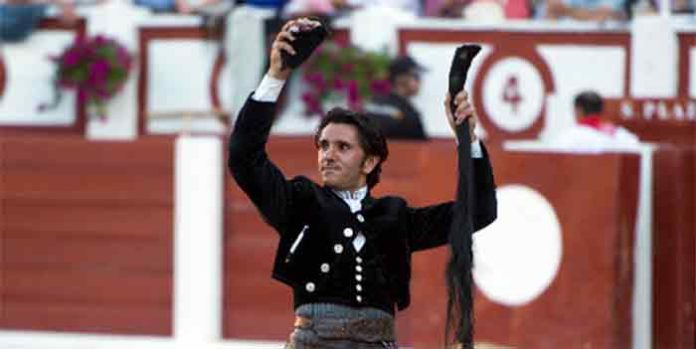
x=86, y=235
x=674, y=245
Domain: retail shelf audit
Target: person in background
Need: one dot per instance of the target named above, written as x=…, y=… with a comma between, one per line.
x=18, y=18
x=338, y=8
x=394, y=112
x=322, y=8
x=183, y=6
x=479, y=10
x=676, y=6
x=582, y=10
x=593, y=132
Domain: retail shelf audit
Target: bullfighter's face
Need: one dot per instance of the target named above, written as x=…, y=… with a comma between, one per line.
x=341, y=160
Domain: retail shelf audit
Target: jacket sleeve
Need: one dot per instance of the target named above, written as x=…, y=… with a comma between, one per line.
x=429, y=226
x=255, y=174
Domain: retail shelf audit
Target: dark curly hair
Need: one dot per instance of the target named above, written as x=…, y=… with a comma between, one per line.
x=370, y=137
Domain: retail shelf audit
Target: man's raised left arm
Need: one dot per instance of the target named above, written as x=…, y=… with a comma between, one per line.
x=429, y=226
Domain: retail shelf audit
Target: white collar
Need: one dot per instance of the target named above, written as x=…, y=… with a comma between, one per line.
x=352, y=195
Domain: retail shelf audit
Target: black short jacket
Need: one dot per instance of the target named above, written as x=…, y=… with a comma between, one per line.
x=312, y=219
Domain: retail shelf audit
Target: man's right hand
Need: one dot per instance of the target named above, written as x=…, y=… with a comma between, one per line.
x=282, y=43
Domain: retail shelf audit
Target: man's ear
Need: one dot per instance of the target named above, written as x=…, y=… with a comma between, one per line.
x=369, y=164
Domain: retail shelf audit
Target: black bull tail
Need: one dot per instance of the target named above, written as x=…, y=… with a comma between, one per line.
x=460, y=300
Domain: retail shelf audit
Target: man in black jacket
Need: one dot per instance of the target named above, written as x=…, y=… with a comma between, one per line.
x=346, y=254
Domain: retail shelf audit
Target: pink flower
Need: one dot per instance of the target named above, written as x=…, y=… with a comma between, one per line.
x=100, y=40
x=353, y=94
x=380, y=86
x=71, y=58
x=338, y=84
x=81, y=95
x=98, y=72
x=316, y=80
x=312, y=104
x=79, y=42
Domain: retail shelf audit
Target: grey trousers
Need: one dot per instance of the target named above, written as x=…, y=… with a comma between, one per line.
x=308, y=339
x=332, y=326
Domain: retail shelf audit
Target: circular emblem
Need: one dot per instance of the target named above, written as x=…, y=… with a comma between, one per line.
x=517, y=257
x=513, y=94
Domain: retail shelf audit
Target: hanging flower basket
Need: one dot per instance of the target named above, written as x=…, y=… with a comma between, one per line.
x=343, y=75
x=96, y=67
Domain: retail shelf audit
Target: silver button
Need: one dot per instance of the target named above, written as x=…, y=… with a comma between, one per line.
x=358, y=287
x=358, y=298
x=338, y=248
x=358, y=260
x=310, y=287
x=325, y=268
x=360, y=218
x=358, y=277
x=348, y=232
x=358, y=268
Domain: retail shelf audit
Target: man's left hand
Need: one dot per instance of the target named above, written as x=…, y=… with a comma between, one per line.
x=464, y=112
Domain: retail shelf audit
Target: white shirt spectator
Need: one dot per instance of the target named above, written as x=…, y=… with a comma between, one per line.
x=594, y=135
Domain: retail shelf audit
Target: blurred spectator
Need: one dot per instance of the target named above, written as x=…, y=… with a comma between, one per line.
x=264, y=4
x=483, y=9
x=394, y=112
x=340, y=7
x=409, y=6
x=300, y=8
x=593, y=132
x=206, y=7
x=676, y=6
x=164, y=5
x=582, y=10
x=18, y=18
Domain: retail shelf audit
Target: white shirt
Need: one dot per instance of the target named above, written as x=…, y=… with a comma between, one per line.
x=354, y=201
x=585, y=139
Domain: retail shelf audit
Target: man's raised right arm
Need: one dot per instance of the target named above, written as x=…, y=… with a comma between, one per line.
x=247, y=159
